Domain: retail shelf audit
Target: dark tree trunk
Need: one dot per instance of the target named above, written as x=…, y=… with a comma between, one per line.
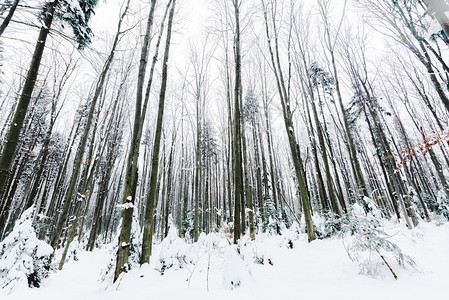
x=12, y=139
x=8, y=18
x=148, y=224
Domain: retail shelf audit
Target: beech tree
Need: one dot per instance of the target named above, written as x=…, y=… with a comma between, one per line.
x=148, y=222
x=269, y=9
x=78, y=20
x=139, y=118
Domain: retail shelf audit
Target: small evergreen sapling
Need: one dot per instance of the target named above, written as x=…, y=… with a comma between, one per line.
x=441, y=206
x=236, y=270
x=272, y=216
x=369, y=245
x=24, y=259
x=187, y=226
x=175, y=253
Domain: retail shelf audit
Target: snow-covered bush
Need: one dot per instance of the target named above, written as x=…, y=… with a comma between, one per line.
x=24, y=259
x=263, y=258
x=271, y=216
x=251, y=254
x=441, y=206
x=287, y=235
x=235, y=270
x=326, y=225
x=372, y=249
x=175, y=252
x=368, y=244
x=274, y=225
x=187, y=225
x=331, y=224
x=275, y=219
x=42, y=225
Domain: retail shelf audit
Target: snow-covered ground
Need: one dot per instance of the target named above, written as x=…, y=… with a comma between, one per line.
x=319, y=270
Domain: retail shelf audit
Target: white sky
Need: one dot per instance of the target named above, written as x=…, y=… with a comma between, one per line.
x=191, y=19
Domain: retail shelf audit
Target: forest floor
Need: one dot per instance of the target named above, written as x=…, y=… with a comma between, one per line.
x=319, y=270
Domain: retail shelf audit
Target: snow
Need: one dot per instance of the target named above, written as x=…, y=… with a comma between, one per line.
x=236, y=271
x=126, y=205
x=24, y=260
x=42, y=249
x=319, y=270
x=175, y=252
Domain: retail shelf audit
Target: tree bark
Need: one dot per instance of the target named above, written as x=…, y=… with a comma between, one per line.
x=237, y=136
x=8, y=18
x=148, y=224
x=131, y=174
x=288, y=122
x=15, y=128
x=83, y=142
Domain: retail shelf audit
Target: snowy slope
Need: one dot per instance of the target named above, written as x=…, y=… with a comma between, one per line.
x=320, y=270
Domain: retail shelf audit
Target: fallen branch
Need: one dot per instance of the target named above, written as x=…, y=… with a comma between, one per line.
x=391, y=270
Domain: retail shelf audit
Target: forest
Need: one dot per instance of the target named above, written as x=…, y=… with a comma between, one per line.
x=196, y=149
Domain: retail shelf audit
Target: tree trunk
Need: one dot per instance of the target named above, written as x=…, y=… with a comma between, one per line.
x=84, y=137
x=15, y=128
x=237, y=136
x=148, y=222
x=289, y=129
x=8, y=18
